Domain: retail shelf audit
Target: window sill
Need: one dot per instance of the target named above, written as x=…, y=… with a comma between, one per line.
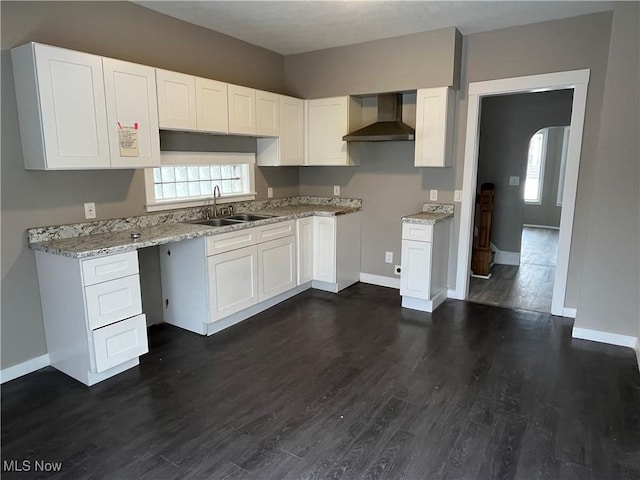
x=200, y=202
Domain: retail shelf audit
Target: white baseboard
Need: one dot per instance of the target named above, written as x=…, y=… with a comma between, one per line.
x=24, y=368
x=380, y=280
x=569, y=312
x=505, y=258
x=541, y=226
x=605, y=337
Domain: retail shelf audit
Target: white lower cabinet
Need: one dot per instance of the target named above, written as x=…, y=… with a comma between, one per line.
x=233, y=281
x=425, y=255
x=277, y=267
x=92, y=312
x=305, y=257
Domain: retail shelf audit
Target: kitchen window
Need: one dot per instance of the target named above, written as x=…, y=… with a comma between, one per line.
x=535, y=168
x=187, y=179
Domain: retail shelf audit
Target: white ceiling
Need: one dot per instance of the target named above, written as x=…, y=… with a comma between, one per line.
x=289, y=27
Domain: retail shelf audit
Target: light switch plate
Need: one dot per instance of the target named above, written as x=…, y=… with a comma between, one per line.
x=388, y=257
x=457, y=196
x=514, y=181
x=89, y=210
x=433, y=195
x=269, y=192
x=336, y=189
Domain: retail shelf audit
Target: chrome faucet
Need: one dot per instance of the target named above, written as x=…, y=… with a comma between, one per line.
x=213, y=211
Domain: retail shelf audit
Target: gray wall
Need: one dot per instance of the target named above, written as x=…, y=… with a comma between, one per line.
x=568, y=44
x=547, y=213
x=427, y=59
x=506, y=126
x=31, y=198
x=611, y=278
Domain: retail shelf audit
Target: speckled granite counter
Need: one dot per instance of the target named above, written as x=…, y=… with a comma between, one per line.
x=114, y=236
x=431, y=213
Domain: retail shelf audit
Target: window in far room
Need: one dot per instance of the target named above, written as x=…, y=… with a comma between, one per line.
x=535, y=167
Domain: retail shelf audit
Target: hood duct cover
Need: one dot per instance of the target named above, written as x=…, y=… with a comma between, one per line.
x=389, y=126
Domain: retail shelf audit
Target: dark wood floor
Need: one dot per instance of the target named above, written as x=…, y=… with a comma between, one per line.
x=528, y=286
x=344, y=386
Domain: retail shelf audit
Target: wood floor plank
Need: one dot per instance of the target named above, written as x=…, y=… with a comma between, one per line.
x=343, y=386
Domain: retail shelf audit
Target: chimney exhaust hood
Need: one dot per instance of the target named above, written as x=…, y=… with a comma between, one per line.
x=389, y=126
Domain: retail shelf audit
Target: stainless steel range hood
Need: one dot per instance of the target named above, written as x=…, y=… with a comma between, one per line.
x=389, y=126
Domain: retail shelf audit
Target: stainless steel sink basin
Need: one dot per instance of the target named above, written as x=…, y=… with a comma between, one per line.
x=218, y=222
x=248, y=217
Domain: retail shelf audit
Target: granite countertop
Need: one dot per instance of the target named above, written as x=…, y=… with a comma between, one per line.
x=431, y=213
x=82, y=246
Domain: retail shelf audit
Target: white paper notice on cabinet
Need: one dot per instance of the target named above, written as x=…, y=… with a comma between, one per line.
x=128, y=139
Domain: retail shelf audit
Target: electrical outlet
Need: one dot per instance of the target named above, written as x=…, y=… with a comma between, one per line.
x=336, y=189
x=433, y=195
x=457, y=196
x=89, y=210
x=388, y=257
x=269, y=192
x=396, y=270
x=514, y=181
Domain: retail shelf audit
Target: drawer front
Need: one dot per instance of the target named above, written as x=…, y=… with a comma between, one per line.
x=417, y=231
x=276, y=230
x=226, y=242
x=109, y=302
x=120, y=342
x=102, y=269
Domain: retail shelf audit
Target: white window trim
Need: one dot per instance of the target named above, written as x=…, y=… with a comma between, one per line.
x=543, y=161
x=198, y=158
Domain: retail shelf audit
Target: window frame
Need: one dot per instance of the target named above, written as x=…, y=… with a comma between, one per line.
x=544, y=132
x=198, y=158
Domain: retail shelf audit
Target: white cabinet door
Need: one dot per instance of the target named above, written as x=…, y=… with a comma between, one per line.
x=242, y=110
x=327, y=123
x=434, y=127
x=277, y=267
x=267, y=114
x=291, y=131
x=324, y=241
x=176, y=100
x=61, y=108
x=305, y=249
x=233, y=281
x=120, y=342
x=415, y=280
x=130, y=92
x=212, y=109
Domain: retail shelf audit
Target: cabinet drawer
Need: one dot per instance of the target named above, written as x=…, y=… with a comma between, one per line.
x=122, y=341
x=111, y=301
x=102, y=269
x=417, y=231
x=226, y=242
x=276, y=230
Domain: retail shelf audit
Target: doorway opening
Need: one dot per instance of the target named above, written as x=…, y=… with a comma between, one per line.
x=578, y=82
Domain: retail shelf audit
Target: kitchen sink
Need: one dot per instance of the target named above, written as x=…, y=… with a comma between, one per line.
x=248, y=217
x=217, y=222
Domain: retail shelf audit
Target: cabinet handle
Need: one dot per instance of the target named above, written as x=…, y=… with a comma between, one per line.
x=166, y=303
x=169, y=252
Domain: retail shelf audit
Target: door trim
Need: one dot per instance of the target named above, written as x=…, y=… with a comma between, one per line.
x=578, y=80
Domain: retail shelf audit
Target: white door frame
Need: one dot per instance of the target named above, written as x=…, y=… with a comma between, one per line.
x=578, y=80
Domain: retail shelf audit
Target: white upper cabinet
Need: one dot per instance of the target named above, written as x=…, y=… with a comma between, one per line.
x=328, y=120
x=242, y=110
x=434, y=127
x=267, y=114
x=61, y=108
x=211, y=106
x=130, y=92
x=176, y=100
x=288, y=148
